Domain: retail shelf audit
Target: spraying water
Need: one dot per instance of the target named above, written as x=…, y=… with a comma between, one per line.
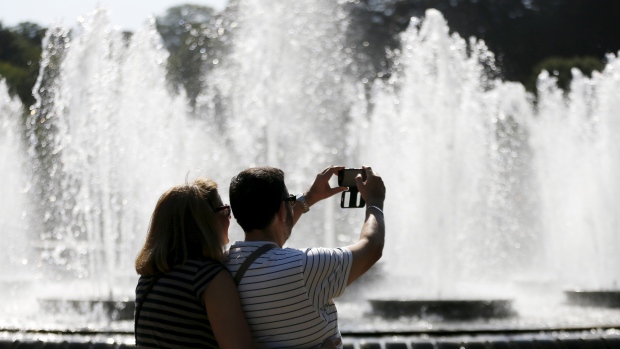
x=576, y=162
x=105, y=127
x=14, y=203
x=461, y=175
x=487, y=190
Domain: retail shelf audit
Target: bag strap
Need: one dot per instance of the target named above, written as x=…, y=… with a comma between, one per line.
x=248, y=261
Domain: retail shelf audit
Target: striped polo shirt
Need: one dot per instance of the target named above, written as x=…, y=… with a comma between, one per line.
x=287, y=294
x=173, y=314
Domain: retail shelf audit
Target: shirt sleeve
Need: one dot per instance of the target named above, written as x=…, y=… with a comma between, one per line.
x=326, y=272
x=205, y=273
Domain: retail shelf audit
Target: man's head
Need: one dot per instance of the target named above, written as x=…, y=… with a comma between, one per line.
x=256, y=196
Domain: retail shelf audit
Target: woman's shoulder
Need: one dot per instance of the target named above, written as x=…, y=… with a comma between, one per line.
x=205, y=271
x=204, y=264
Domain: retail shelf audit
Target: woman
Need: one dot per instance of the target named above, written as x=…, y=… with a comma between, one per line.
x=185, y=297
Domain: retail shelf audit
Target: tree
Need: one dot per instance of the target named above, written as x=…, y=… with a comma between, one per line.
x=183, y=31
x=561, y=67
x=521, y=33
x=20, y=54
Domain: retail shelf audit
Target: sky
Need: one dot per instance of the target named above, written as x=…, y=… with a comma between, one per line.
x=127, y=14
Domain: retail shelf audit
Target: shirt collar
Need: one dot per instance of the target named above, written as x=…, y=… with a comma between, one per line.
x=240, y=244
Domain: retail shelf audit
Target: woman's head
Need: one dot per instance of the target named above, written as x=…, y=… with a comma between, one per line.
x=188, y=222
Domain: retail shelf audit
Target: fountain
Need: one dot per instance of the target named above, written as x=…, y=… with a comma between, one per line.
x=103, y=120
x=582, y=160
x=15, y=264
x=494, y=201
x=461, y=142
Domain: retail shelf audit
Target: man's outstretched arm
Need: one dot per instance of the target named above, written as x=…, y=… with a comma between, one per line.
x=369, y=248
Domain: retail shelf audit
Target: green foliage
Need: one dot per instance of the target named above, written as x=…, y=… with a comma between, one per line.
x=520, y=33
x=523, y=35
x=560, y=67
x=183, y=31
x=20, y=54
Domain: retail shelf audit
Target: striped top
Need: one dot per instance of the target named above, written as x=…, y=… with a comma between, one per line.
x=287, y=294
x=173, y=314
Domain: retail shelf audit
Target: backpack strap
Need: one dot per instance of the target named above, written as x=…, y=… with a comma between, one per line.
x=248, y=261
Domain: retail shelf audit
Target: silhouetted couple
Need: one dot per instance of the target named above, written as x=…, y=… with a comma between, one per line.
x=273, y=297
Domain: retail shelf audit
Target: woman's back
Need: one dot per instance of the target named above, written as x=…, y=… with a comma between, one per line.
x=173, y=313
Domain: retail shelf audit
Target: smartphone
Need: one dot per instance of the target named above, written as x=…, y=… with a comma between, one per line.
x=346, y=177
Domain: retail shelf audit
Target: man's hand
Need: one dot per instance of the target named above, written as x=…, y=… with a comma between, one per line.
x=320, y=189
x=373, y=190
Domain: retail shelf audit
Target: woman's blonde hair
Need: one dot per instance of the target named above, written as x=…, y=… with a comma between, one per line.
x=183, y=226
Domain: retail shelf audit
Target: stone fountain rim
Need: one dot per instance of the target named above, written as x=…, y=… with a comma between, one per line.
x=594, y=291
x=441, y=300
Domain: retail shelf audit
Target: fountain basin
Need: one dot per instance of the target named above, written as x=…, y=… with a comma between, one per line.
x=447, y=309
x=112, y=309
x=594, y=298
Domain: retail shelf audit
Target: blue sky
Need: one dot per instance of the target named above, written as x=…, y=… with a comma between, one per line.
x=127, y=14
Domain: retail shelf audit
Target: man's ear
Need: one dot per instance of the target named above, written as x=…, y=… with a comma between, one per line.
x=281, y=214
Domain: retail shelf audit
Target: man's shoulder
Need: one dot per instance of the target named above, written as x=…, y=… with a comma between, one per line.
x=326, y=256
x=284, y=253
x=239, y=252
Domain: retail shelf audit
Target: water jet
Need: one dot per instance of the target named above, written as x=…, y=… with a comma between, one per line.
x=493, y=198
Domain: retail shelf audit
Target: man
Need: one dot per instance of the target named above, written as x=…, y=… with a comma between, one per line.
x=287, y=294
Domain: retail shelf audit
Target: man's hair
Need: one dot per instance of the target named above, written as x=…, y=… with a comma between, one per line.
x=256, y=195
x=183, y=226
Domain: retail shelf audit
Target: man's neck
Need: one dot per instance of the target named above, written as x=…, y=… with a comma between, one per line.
x=263, y=235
